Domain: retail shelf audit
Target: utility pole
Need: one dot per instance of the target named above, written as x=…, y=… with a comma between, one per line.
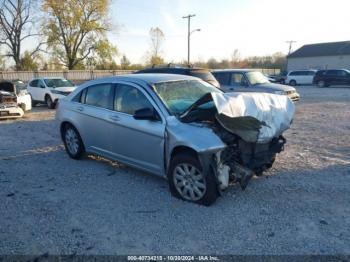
x=291, y=42
x=188, y=17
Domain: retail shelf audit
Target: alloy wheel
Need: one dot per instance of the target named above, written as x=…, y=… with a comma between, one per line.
x=72, y=141
x=189, y=182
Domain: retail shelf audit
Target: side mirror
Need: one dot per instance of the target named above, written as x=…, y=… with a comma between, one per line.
x=41, y=86
x=146, y=114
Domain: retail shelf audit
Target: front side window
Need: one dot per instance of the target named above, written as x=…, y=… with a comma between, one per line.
x=236, y=79
x=129, y=99
x=99, y=96
x=178, y=96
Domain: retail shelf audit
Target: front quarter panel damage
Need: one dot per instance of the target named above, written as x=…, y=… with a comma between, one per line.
x=194, y=136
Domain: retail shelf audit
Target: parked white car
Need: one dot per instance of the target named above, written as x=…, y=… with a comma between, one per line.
x=300, y=77
x=48, y=90
x=18, y=89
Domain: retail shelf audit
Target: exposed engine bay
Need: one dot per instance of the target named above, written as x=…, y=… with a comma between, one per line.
x=251, y=125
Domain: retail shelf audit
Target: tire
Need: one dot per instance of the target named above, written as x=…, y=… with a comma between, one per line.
x=292, y=82
x=33, y=102
x=282, y=82
x=50, y=104
x=72, y=142
x=321, y=84
x=187, y=181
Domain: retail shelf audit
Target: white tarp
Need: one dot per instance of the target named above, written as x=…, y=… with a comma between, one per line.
x=274, y=112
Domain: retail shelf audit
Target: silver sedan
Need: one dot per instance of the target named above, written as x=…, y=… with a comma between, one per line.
x=165, y=125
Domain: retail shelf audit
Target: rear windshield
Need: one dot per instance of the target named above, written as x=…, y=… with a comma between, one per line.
x=202, y=74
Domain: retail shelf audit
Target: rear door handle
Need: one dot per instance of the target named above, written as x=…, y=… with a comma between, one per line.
x=114, y=118
x=80, y=108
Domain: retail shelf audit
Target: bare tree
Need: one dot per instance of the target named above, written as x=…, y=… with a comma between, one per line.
x=157, y=40
x=16, y=25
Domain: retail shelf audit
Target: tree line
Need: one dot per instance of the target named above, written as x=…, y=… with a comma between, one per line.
x=73, y=35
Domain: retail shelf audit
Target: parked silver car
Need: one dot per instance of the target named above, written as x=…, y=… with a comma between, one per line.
x=166, y=125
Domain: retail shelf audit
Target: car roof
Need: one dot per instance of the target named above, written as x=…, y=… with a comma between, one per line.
x=143, y=78
x=233, y=70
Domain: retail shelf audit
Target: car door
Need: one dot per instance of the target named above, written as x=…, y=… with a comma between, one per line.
x=93, y=112
x=342, y=77
x=136, y=142
x=33, y=89
x=42, y=90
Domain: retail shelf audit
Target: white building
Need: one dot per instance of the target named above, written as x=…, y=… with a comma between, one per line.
x=334, y=55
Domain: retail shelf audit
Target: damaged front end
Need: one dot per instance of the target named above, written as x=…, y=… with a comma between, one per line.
x=251, y=127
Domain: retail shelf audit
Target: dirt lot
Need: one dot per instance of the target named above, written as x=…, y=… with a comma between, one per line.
x=52, y=204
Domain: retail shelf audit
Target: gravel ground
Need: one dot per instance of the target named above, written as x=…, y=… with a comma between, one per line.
x=52, y=204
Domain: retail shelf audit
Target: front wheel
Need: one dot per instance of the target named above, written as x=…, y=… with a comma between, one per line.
x=293, y=83
x=188, y=182
x=72, y=142
x=50, y=104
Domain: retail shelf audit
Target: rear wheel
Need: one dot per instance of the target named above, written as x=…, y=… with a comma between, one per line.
x=50, y=104
x=72, y=142
x=188, y=182
x=293, y=82
x=321, y=84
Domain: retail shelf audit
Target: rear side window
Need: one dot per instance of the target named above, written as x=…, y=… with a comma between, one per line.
x=34, y=83
x=222, y=78
x=129, y=99
x=99, y=96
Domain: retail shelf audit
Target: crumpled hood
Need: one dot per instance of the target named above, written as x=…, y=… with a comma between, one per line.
x=255, y=117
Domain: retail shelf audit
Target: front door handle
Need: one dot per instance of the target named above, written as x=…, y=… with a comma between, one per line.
x=80, y=108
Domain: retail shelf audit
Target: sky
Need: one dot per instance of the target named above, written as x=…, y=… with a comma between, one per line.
x=254, y=27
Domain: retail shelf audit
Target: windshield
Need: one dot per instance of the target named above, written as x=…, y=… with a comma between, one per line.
x=59, y=82
x=178, y=96
x=256, y=78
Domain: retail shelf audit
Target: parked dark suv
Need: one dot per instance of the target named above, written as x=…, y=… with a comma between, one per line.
x=324, y=78
x=201, y=73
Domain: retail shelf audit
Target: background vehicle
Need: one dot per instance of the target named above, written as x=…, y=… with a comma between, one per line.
x=8, y=105
x=201, y=73
x=49, y=90
x=18, y=89
x=173, y=117
x=280, y=78
x=324, y=78
x=301, y=77
x=247, y=80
